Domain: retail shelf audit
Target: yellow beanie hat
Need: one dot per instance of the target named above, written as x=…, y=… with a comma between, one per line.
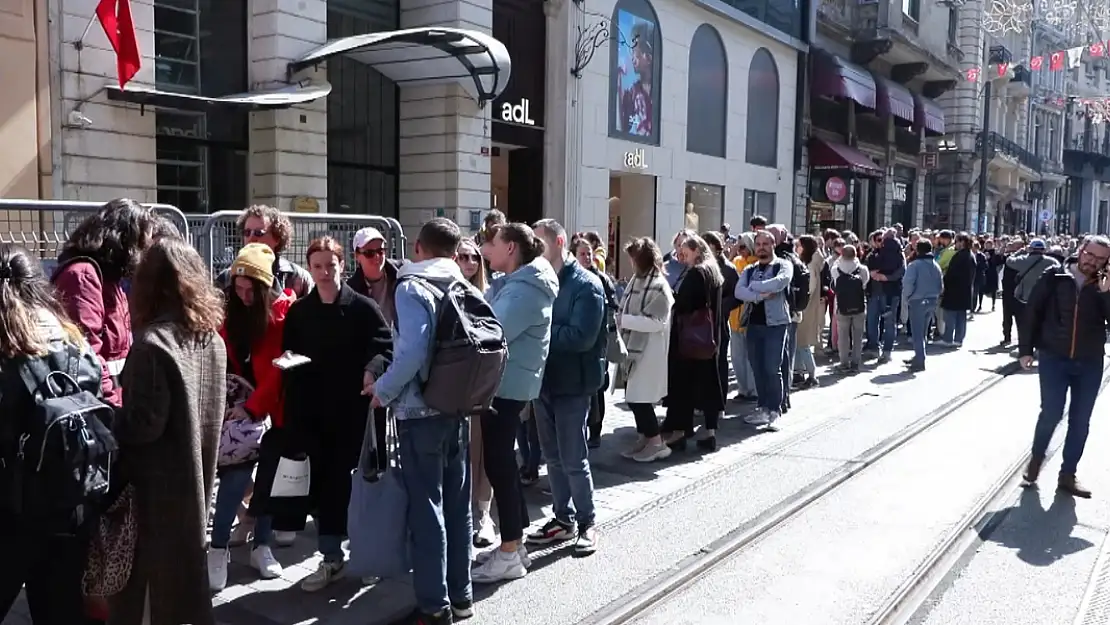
x=255, y=261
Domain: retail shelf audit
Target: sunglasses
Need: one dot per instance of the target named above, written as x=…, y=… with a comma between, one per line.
x=254, y=232
x=371, y=253
x=471, y=258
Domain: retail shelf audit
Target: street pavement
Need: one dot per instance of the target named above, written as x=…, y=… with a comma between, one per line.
x=654, y=516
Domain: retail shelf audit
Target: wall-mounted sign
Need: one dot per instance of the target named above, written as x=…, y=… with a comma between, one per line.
x=305, y=205
x=519, y=113
x=899, y=192
x=635, y=159
x=930, y=160
x=836, y=189
x=1046, y=215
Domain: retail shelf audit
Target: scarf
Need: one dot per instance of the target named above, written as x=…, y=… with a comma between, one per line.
x=645, y=297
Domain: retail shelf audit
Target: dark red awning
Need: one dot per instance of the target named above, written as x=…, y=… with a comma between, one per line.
x=928, y=116
x=835, y=77
x=824, y=156
x=894, y=100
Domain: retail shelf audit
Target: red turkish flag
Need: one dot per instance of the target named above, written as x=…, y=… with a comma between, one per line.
x=1097, y=49
x=115, y=17
x=1036, y=63
x=973, y=74
x=1002, y=69
x=1057, y=61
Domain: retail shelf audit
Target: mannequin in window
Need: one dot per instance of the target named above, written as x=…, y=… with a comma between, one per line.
x=691, y=218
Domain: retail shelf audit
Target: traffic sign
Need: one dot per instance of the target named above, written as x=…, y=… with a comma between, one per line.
x=1046, y=215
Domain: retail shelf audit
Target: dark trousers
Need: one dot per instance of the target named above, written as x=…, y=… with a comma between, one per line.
x=51, y=568
x=499, y=429
x=1008, y=302
x=788, y=364
x=722, y=360
x=1019, y=317
x=647, y=424
x=1058, y=377
x=597, y=407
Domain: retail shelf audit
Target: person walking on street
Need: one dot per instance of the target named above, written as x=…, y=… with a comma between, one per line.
x=849, y=284
x=1027, y=269
x=1065, y=321
x=921, y=288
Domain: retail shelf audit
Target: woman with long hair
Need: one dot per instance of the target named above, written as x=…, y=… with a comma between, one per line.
x=812, y=323
x=645, y=323
x=169, y=432
x=47, y=549
x=95, y=263
x=469, y=259
x=692, y=379
x=252, y=334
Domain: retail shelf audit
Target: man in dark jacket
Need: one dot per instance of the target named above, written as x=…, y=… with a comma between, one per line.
x=1068, y=332
x=887, y=264
x=573, y=374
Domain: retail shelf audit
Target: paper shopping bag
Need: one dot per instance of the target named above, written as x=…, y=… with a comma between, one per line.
x=292, y=479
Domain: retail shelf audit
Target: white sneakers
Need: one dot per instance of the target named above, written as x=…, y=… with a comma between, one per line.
x=485, y=534
x=262, y=560
x=499, y=566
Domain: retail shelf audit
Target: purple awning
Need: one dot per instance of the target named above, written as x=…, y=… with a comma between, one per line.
x=928, y=116
x=835, y=77
x=826, y=156
x=894, y=100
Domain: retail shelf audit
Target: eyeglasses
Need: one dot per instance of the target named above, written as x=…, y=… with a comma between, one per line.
x=371, y=253
x=470, y=258
x=254, y=232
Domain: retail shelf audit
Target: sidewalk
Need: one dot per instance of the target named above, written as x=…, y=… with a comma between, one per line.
x=624, y=489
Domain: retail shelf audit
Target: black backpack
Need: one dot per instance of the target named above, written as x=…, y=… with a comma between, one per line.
x=63, y=450
x=470, y=351
x=798, y=294
x=849, y=293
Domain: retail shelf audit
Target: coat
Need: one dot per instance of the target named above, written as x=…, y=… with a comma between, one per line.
x=576, y=361
x=98, y=305
x=693, y=383
x=813, y=318
x=169, y=433
x=959, y=282
x=266, y=400
x=647, y=377
x=522, y=301
x=325, y=410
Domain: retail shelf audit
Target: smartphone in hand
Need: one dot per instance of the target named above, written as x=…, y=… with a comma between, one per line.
x=289, y=360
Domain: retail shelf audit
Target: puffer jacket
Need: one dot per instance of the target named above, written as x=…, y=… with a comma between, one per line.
x=522, y=301
x=1063, y=320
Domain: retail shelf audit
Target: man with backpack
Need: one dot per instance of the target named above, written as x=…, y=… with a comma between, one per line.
x=849, y=283
x=448, y=356
x=1027, y=269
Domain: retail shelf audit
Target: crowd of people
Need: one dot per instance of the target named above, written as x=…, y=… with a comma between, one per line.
x=192, y=370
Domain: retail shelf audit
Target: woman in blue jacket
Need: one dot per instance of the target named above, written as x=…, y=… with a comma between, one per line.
x=522, y=299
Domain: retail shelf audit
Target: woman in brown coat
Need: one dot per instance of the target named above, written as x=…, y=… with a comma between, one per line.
x=169, y=431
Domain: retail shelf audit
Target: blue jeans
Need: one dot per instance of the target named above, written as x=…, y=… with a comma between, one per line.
x=561, y=422
x=955, y=325
x=528, y=442
x=1058, y=374
x=880, y=318
x=921, y=317
x=233, y=486
x=766, y=347
x=435, y=468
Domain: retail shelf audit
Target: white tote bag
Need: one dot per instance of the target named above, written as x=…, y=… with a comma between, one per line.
x=292, y=479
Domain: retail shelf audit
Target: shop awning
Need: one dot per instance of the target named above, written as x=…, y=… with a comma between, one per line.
x=267, y=99
x=928, y=116
x=475, y=61
x=894, y=100
x=824, y=156
x=835, y=77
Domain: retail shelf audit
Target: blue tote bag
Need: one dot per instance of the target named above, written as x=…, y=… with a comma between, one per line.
x=377, y=517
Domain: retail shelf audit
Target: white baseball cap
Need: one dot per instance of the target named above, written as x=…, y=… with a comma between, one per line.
x=366, y=235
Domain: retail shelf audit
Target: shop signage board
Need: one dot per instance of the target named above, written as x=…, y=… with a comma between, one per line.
x=899, y=192
x=836, y=189
x=1046, y=215
x=635, y=159
x=519, y=113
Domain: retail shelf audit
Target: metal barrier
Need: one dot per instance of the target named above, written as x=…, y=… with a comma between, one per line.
x=43, y=226
x=219, y=239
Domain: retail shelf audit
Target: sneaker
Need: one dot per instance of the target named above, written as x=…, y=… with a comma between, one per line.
x=242, y=534
x=262, y=559
x=444, y=617
x=759, y=417
x=636, y=448
x=883, y=359
x=554, y=531
x=462, y=610
x=528, y=478
x=218, y=560
x=772, y=417
x=525, y=559
x=501, y=566
x=485, y=536
x=284, y=539
x=586, y=544
x=651, y=453
x=325, y=574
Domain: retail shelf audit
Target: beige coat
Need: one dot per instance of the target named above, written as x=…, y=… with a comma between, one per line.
x=169, y=431
x=647, y=380
x=813, y=318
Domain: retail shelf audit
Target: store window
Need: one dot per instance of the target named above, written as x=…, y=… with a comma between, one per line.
x=763, y=110
x=760, y=203
x=201, y=158
x=363, y=122
x=904, y=196
x=707, y=95
x=782, y=15
x=705, y=207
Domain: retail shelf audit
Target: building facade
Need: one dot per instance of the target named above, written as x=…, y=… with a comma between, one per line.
x=25, y=104
x=1083, y=198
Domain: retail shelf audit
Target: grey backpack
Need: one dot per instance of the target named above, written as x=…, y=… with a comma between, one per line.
x=469, y=353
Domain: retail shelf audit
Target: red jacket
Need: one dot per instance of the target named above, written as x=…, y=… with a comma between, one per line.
x=266, y=398
x=100, y=309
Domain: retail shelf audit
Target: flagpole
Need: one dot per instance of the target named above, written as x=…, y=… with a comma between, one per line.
x=80, y=43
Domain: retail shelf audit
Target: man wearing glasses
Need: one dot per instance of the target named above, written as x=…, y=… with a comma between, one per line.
x=266, y=225
x=376, y=275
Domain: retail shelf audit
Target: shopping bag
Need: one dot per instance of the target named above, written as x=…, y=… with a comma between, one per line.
x=377, y=515
x=292, y=479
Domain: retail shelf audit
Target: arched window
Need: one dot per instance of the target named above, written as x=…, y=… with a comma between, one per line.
x=763, y=110
x=707, y=95
x=635, y=68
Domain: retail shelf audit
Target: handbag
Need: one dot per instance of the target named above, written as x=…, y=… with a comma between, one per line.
x=377, y=515
x=111, y=552
x=697, y=333
x=240, y=439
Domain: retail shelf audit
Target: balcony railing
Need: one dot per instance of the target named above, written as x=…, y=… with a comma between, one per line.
x=997, y=143
x=836, y=12
x=1089, y=143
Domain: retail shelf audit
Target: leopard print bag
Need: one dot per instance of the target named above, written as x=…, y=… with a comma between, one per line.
x=112, y=547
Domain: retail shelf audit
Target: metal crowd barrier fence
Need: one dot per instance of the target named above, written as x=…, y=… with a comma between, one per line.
x=43, y=226
x=218, y=240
